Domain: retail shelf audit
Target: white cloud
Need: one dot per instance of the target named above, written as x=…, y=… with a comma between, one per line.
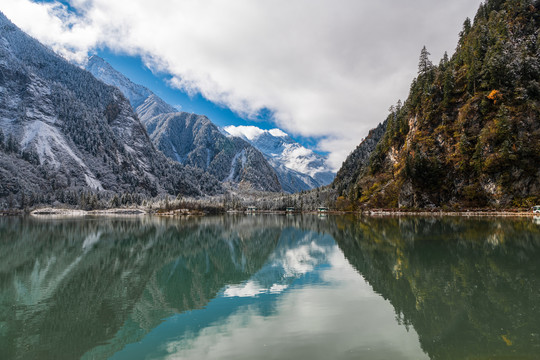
x=277, y=133
x=252, y=132
x=325, y=68
x=249, y=132
x=249, y=289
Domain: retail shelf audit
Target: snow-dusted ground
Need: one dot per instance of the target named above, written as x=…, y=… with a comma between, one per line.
x=242, y=156
x=48, y=212
x=69, y=132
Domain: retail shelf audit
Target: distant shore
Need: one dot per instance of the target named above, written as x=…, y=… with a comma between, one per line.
x=65, y=212
x=450, y=213
x=75, y=212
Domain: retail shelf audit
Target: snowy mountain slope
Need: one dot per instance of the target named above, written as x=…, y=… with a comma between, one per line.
x=70, y=130
x=145, y=103
x=192, y=139
x=152, y=106
x=298, y=167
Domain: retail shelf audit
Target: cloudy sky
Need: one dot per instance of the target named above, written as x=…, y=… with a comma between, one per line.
x=322, y=70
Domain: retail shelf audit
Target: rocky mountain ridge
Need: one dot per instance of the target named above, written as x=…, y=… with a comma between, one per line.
x=191, y=139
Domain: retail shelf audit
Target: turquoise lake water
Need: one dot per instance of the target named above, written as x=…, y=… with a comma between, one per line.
x=270, y=287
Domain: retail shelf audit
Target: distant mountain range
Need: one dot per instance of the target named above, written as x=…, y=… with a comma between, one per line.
x=265, y=162
x=298, y=168
x=191, y=139
x=62, y=130
x=69, y=137
x=468, y=134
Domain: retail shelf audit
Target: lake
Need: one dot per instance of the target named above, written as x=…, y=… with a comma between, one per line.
x=270, y=287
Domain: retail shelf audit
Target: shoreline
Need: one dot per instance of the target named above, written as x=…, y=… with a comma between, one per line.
x=452, y=213
x=60, y=212
x=65, y=212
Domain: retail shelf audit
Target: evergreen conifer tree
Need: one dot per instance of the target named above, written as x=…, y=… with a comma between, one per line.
x=424, y=64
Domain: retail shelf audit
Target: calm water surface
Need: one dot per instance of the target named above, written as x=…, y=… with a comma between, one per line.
x=270, y=287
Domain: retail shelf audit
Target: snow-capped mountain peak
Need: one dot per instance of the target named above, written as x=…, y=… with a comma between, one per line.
x=191, y=139
x=294, y=161
x=69, y=132
x=277, y=133
x=102, y=70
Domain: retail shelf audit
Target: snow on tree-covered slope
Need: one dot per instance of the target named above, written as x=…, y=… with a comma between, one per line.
x=193, y=139
x=62, y=128
x=298, y=167
x=143, y=100
x=189, y=138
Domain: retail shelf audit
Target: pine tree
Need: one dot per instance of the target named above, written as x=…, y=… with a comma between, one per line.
x=466, y=26
x=444, y=61
x=424, y=64
x=463, y=33
x=399, y=106
x=12, y=145
x=448, y=86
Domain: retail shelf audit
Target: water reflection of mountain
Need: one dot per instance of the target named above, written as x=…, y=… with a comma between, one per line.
x=87, y=288
x=470, y=288
x=299, y=249
x=90, y=286
x=69, y=285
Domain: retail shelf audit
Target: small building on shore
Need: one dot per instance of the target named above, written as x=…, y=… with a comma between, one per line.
x=322, y=209
x=290, y=210
x=251, y=209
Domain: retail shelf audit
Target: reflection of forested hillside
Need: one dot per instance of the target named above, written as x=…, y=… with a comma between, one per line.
x=470, y=288
x=297, y=253
x=87, y=288
x=75, y=282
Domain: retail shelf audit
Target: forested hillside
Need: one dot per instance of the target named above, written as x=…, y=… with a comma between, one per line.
x=468, y=135
x=67, y=137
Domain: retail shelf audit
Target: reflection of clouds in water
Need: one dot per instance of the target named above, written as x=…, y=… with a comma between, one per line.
x=277, y=288
x=342, y=272
x=345, y=318
x=293, y=264
x=249, y=289
x=252, y=289
x=301, y=260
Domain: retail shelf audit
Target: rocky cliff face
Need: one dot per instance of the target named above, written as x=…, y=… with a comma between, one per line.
x=356, y=164
x=192, y=139
x=468, y=135
x=60, y=129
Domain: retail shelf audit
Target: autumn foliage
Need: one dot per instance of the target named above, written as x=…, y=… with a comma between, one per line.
x=495, y=95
